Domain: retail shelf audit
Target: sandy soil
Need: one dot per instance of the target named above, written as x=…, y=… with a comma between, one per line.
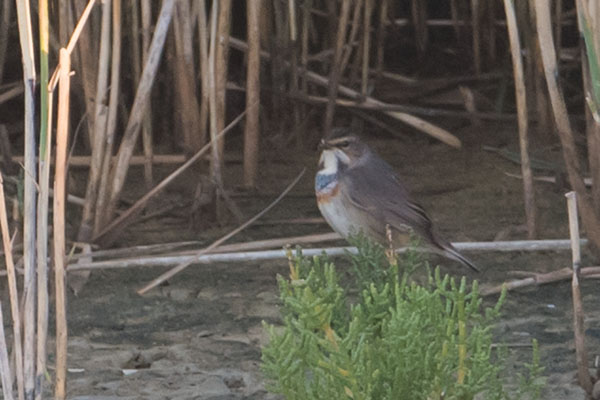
x=199, y=337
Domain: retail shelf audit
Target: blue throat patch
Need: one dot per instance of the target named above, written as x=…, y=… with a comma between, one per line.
x=322, y=181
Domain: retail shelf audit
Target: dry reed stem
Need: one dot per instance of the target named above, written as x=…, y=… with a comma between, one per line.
x=185, y=95
x=43, y=197
x=158, y=159
x=475, y=23
x=172, y=272
x=6, y=20
x=119, y=170
x=381, y=32
x=13, y=294
x=336, y=71
x=99, y=133
x=298, y=110
x=558, y=16
x=541, y=279
x=204, y=69
x=73, y=40
x=521, y=96
x=491, y=32
x=245, y=256
x=217, y=67
x=355, y=26
x=117, y=226
x=252, y=127
x=455, y=22
x=366, y=47
x=5, y=372
x=29, y=207
x=11, y=93
x=147, y=133
x=111, y=122
x=221, y=63
x=583, y=373
x=215, y=162
x=592, y=126
x=590, y=219
x=173, y=248
x=85, y=61
x=62, y=132
x=419, y=22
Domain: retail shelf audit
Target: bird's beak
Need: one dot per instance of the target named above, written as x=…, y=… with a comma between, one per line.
x=323, y=145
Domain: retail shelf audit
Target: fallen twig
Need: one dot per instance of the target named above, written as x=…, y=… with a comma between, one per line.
x=205, y=258
x=170, y=249
x=184, y=265
x=132, y=211
x=541, y=279
x=548, y=179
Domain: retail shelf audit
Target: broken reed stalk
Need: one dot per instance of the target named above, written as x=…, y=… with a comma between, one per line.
x=252, y=126
x=433, y=130
x=62, y=132
x=172, y=272
x=5, y=372
x=110, y=233
x=336, y=71
x=111, y=121
x=521, y=97
x=583, y=373
x=590, y=219
x=42, y=206
x=13, y=294
x=99, y=134
x=240, y=255
x=30, y=196
x=174, y=248
x=348, y=47
x=119, y=170
x=541, y=279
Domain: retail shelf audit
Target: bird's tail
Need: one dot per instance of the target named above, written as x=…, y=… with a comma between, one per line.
x=445, y=248
x=450, y=252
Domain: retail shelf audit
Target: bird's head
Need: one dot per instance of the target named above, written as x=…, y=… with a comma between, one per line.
x=343, y=149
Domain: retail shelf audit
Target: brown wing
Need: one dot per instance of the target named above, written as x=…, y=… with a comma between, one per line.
x=380, y=198
x=374, y=188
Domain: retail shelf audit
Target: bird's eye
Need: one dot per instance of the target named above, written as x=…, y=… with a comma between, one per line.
x=344, y=144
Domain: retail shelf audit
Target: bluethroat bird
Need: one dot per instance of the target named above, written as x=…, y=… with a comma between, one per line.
x=357, y=191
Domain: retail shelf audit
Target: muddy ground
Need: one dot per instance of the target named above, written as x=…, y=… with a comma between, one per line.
x=199, y=336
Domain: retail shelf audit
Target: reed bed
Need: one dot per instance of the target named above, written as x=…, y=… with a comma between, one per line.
x=135, y=78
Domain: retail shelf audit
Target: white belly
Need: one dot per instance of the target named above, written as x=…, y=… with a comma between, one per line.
x=337, y=217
